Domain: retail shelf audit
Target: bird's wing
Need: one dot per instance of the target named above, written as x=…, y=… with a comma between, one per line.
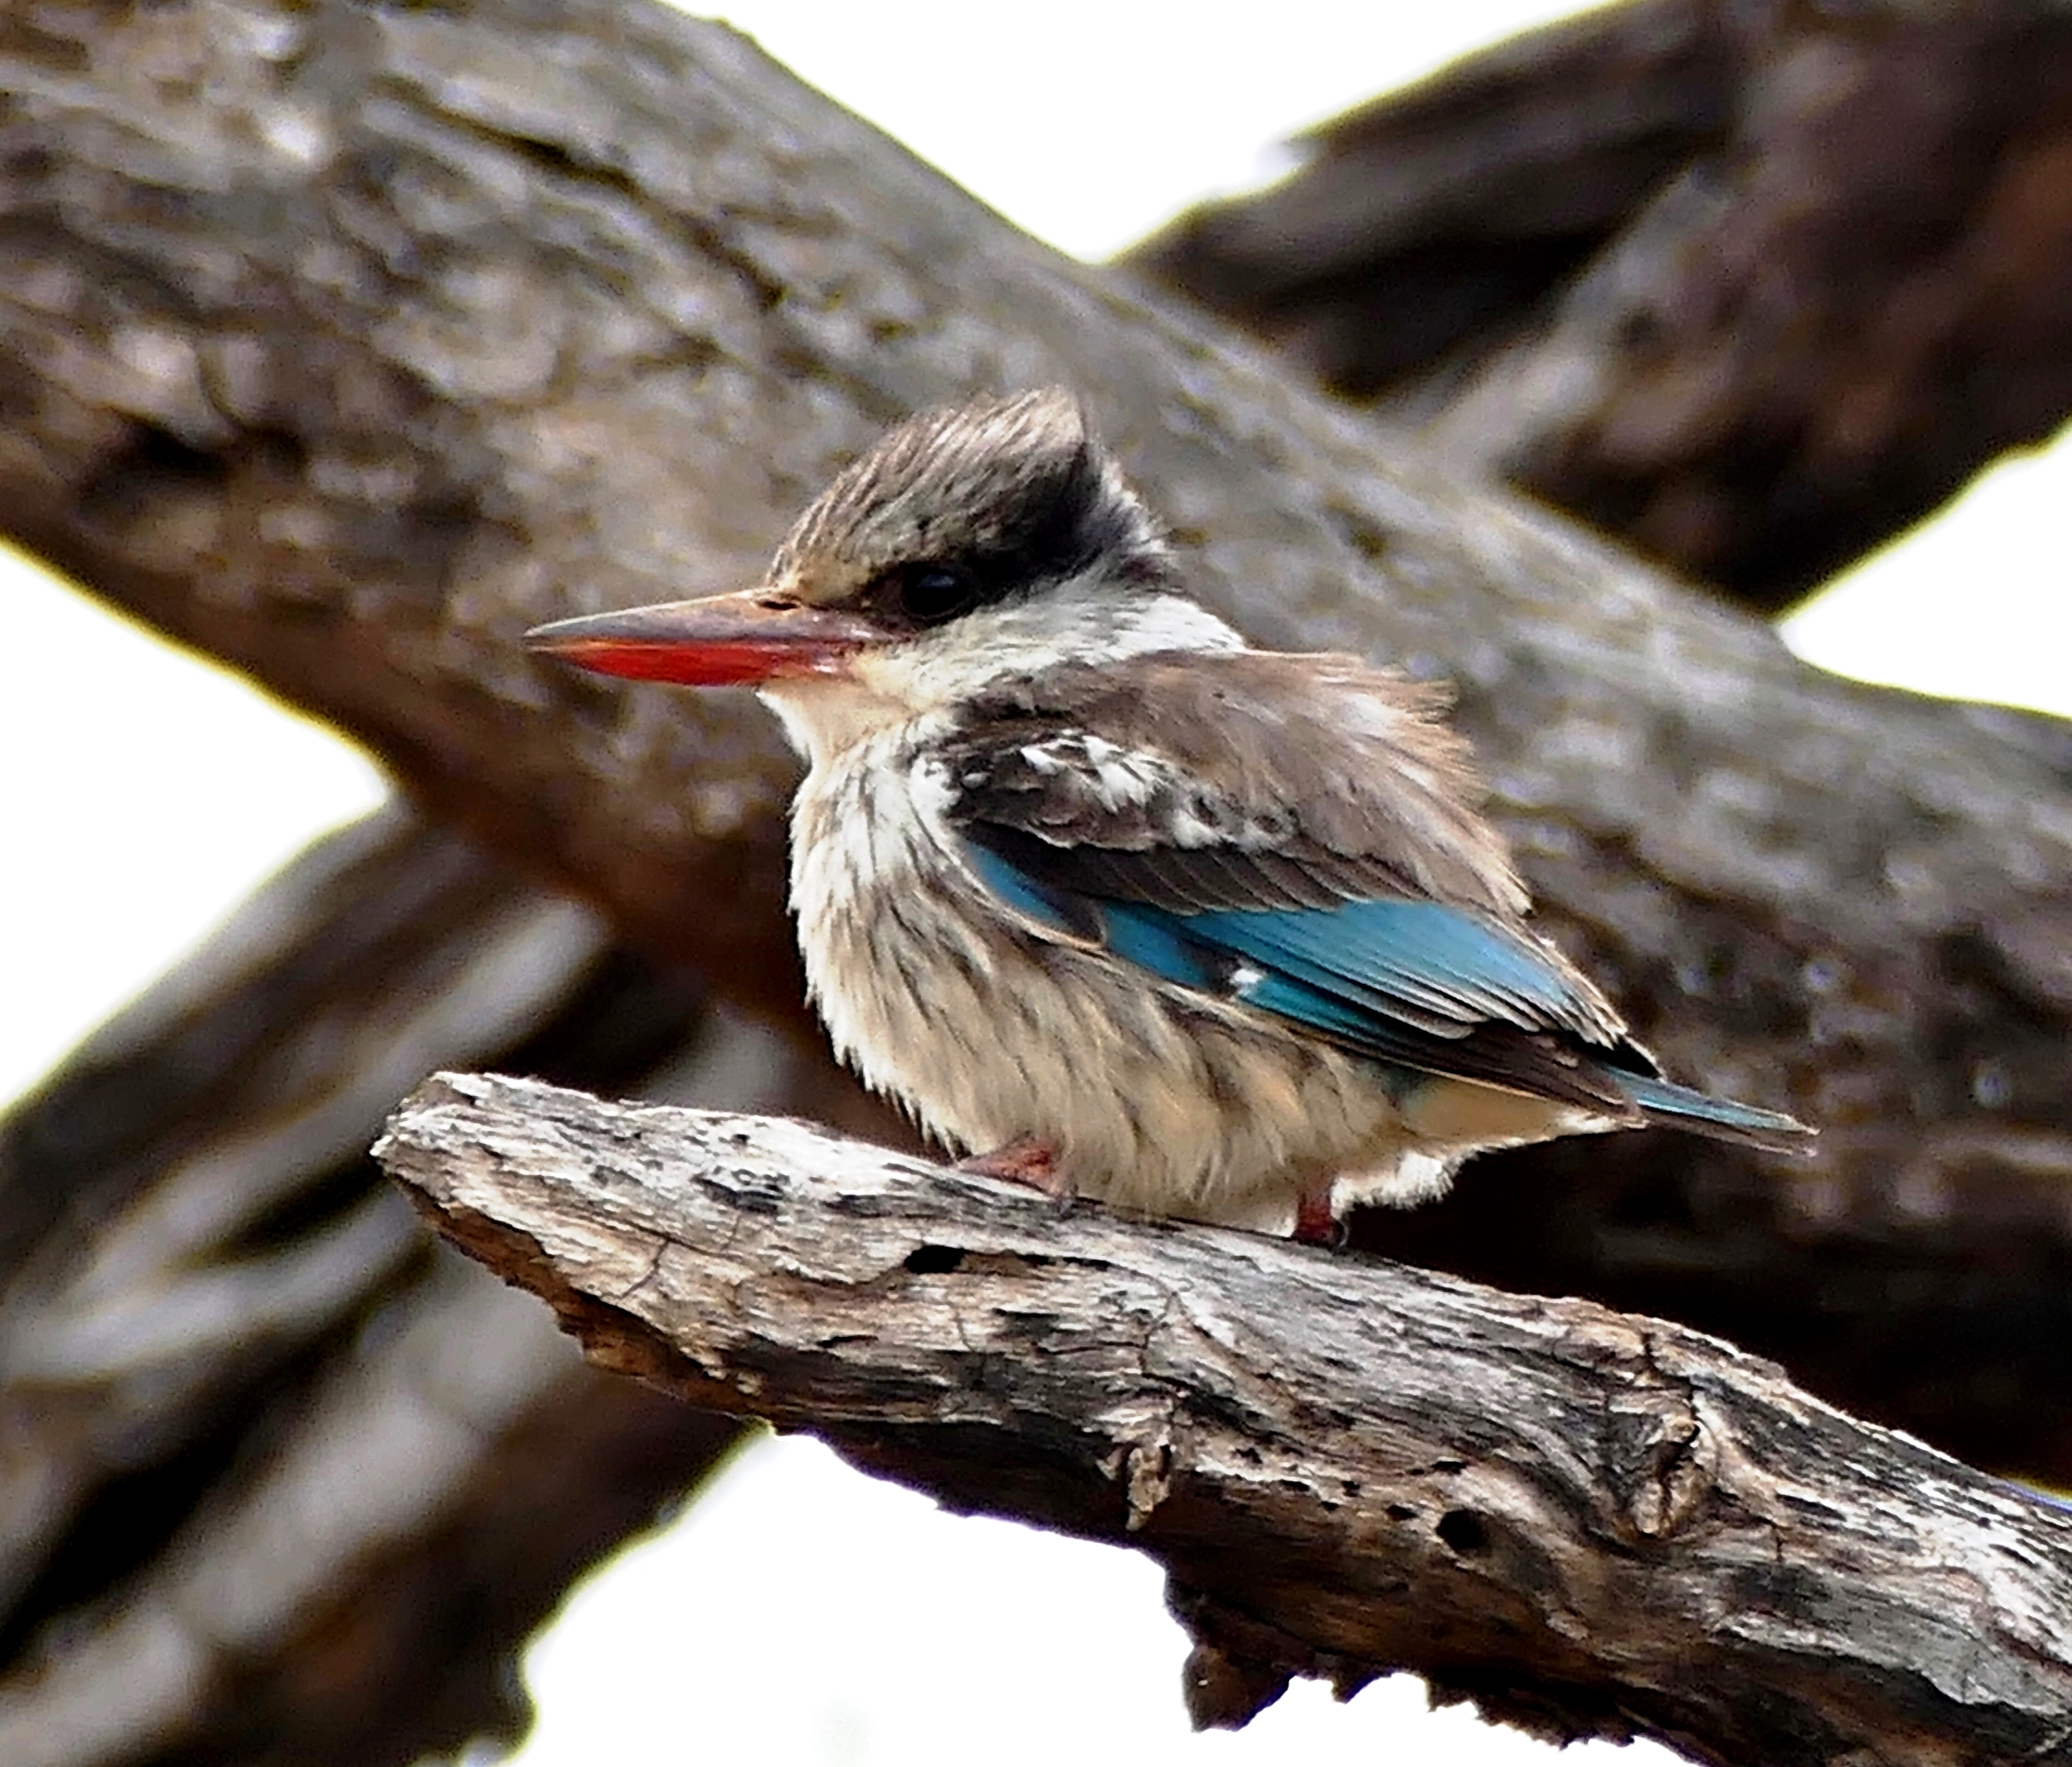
x=1296, y=834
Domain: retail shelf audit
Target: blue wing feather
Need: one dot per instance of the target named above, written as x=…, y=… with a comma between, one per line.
x=1428, y=957
x=1167, y=944
x=1384, y=976
x=1315, y=880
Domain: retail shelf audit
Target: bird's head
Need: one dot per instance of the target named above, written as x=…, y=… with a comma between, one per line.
x=969, y=543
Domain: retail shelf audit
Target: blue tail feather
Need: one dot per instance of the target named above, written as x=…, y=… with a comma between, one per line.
x=1663, y=1101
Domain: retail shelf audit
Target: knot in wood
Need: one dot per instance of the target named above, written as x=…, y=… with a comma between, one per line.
x=1659, y=1461
x=1239, y=1666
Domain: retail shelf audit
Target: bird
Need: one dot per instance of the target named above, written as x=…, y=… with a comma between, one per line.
x=1113, y=902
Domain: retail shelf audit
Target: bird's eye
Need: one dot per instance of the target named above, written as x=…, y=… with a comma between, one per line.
x=929, y=593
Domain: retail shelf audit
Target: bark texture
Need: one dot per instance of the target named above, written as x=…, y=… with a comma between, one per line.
x=534, y=311
x=278, y=1484
x=1753, y=286
x=346, y=340
x=1589, y=1523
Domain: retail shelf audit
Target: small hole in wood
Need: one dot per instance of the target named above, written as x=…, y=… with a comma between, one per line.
x=933, y=1260
x=1465, y=1532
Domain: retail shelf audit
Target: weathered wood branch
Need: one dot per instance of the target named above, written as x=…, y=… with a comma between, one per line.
x=1589, y=1523
x=346, y=344
x=279, y=1486
x=461, y=319
x=1660, y=265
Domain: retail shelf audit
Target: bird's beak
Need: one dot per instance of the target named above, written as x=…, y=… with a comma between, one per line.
x=721, y=641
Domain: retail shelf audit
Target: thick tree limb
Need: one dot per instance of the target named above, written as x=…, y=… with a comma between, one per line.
x=278, y=1485
x=347, y=342
x=1591, y=1524
x=1662, y=264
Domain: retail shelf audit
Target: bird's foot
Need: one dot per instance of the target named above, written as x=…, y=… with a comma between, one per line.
x=1315, y=1224
x=1026, y=1159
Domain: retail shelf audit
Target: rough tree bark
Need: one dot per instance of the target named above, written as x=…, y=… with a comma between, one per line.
x=277, y=1485
x=344, y=341
x=467, y=318
x=1589, y=1523
x=1753, y=286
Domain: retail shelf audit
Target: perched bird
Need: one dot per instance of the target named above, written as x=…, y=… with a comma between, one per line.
x=1096, y=890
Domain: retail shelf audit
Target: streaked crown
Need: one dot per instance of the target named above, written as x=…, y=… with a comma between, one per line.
x=968, y=506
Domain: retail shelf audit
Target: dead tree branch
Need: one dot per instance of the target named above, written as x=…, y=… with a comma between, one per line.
x=425, y=324
x=1591, y=1524
x=1662, y=264
x=280, y=1486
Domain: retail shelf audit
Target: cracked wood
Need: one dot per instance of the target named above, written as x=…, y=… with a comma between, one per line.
x=1589, y=1523
x=346, y=342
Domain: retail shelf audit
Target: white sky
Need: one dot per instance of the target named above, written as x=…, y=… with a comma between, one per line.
x=798, y=1613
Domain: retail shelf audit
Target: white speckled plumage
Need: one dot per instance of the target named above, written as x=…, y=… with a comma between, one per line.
x=987, y=1028
x=1070, y=859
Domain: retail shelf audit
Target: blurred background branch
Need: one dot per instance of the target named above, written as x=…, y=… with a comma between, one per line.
x=345, y=342
x=1752, y=286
